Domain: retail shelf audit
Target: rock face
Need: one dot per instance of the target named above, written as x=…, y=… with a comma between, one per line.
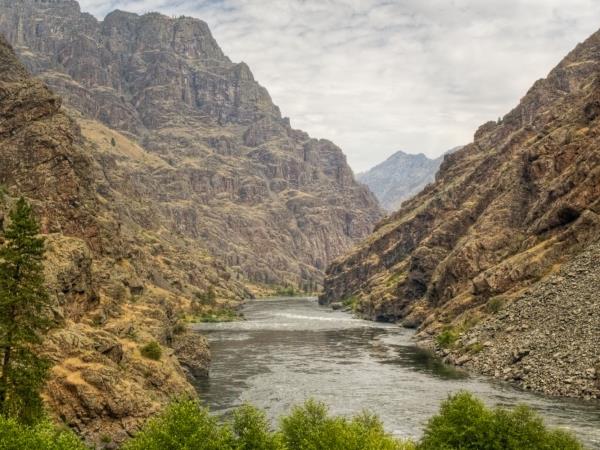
x=400, y=177
x=504, y=213
x=269, y=202
x=115, y=285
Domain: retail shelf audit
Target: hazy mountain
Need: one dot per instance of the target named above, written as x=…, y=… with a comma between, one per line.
x=400, y=177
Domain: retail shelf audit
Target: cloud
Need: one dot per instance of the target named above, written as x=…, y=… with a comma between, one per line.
x=376, y=76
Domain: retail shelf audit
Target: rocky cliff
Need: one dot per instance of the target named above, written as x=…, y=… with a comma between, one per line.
x=269, y=202
x=504, y=215
x=117, y=281
x=400, y=177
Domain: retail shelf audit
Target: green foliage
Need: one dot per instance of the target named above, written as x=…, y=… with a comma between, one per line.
x=465, y=423
x=494, y=305
x=113, y=142
x=216, y=315
x=309, y=427
x=152, y=350
x=287, y=291
x=23, y=322
x=42, y=436
x=184, y=425
x=207, y=298
x=447, y=337
x=351, y=302
x=251, y=430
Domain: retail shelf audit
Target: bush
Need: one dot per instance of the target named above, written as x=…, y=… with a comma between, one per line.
x=447, y=338
x=43, y=436
x=287, y=291
x=309, y=427
x=465, y=423
x=183, y=425
x=151, y=350
x=494, y=305
x=251, y=430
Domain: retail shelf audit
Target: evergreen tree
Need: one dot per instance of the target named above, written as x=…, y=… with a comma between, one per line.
x=23, y=299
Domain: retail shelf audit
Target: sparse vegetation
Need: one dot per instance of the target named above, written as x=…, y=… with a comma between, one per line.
x=448, y=337
x=351, y=302
x=287, y=291
x=206, y=298
x=494, y=305
x=216, y=315
x=152, y=350
x=113, y=142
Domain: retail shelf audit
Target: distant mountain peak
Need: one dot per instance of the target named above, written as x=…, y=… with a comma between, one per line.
x=401, y=176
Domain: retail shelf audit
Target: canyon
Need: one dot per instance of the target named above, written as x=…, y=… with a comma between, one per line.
x=167, y=185
x=480, y=259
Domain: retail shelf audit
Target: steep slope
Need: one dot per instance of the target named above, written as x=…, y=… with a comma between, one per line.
x=116, y=278
x=400, y=177
x=504, y=213
x=270, y=202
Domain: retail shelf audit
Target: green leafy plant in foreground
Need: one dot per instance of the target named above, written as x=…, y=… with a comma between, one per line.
x=42, y=436
x=465, y=423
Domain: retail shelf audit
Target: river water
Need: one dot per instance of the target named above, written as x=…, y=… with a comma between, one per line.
x=288, y=350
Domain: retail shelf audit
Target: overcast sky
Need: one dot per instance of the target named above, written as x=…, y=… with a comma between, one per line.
x=377, y=76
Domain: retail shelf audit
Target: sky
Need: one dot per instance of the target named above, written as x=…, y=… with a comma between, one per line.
x=378, y=76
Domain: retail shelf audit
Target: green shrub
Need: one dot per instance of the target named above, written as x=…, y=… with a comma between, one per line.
x=151, y=350
x=309, y=427
x=183, y=425
x=447, y=337
x=465, y=423
x=43, y=436
x=251, y=430
x=206, y=298
x=287, y=291
x=494, y=305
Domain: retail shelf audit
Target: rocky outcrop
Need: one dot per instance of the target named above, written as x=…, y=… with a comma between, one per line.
x=225, y=168
x=400, y=177
x=504, y=213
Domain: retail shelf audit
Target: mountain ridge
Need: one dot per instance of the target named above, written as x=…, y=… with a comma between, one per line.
x=235, y=167
x=505, y=213
x=400, y=176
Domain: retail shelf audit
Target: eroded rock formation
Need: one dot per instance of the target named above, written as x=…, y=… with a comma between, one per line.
x=268, y=201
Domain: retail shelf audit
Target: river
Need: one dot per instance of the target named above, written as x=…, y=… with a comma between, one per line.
x=287, y=350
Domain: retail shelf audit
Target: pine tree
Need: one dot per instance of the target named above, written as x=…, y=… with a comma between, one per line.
x=23, y=323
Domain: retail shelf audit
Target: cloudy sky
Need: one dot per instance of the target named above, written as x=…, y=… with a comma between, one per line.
x=377, y=76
